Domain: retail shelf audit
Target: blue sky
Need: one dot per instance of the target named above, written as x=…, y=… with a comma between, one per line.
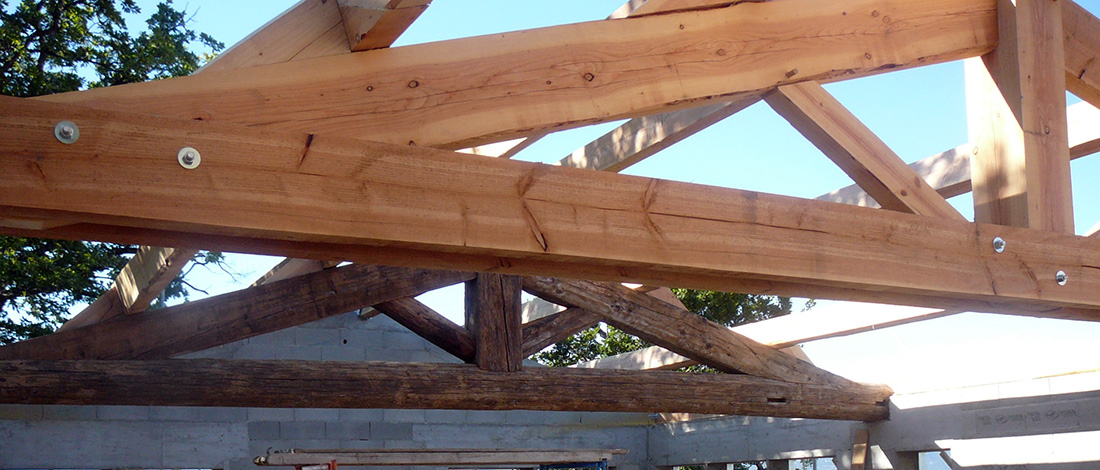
x=917, y=112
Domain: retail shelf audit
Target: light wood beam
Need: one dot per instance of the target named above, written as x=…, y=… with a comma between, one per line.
x=783, y=332
x=679, y=330
x=1016, y=110
x=375, y=24
x=303, y=31
x=139, y=283
x=483, y=214
x=310, y=28
x=293, y=267
x=1081, y=33
x=949, y=172
x=213, y=321
x=864, y=157
x=432, y=326
x=493, y=317
x=540, y=333
x=304, y=384
x=573, y=74
x=642, y=137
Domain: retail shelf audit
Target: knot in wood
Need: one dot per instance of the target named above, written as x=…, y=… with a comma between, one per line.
x=589, y=77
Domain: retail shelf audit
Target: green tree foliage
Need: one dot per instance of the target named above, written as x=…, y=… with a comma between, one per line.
x=53, y=46
x=721, y=307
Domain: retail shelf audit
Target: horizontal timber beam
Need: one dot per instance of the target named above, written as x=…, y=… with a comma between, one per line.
x=573, y=74
x=480, y=214
x=214, y=321
x=304, y=384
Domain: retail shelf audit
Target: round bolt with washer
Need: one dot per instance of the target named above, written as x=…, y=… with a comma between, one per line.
x=66, y=132
x=189, y=158
x=1061, y=277
x=998, y=244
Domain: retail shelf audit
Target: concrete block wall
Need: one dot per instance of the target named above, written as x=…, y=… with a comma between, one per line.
x=34, y=436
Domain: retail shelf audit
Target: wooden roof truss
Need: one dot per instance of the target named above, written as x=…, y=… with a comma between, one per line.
x=321, y=154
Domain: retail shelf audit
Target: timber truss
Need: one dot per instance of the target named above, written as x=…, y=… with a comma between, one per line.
x=258, y=134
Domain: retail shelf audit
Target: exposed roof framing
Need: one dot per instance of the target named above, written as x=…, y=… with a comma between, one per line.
x=279, y=177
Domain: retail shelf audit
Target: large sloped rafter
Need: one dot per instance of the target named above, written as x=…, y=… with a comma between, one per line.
x=488, y=210
x=856, y=150
x=223, y=319
x=418, y=84
x=680, y=330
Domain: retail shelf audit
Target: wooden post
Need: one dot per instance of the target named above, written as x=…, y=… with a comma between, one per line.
x=1017, y=115
x=493, y=315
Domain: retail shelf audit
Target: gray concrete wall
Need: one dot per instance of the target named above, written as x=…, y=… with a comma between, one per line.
x=1049, y=423
x=35, y=436
x=1045, y=424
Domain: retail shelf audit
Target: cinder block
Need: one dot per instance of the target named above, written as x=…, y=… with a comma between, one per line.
x=362, y=338
x=263, y=430
x=360, y=415
x=445, y=416
x=223, y=414
x=173, y=413
x=348, y=430
x=383, y=431
x=404, y=340
x=484, y=417
x=404, y=416
x=388, y=355
x=316, y=336
x=123, y=413
x=433, y=355
x=278, y=338
x=524, y=417
x=69, y=412
x=21, y=412
x=299, y=353
x=257, y=351
x=302, y=430
x=240, y=464
x=270, y=414
x=316, y=414
x=342, y=353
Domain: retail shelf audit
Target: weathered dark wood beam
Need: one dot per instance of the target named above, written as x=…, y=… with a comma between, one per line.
x=203, y=324
x=432, y=326
x=680, y=330
x=304, y=384
x=542, y=332
x=494, y=317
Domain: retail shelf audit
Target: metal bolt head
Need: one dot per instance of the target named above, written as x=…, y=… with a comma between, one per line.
x=66, y=132
x=1061, y=277
x=998, y=244
x=189, y=158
